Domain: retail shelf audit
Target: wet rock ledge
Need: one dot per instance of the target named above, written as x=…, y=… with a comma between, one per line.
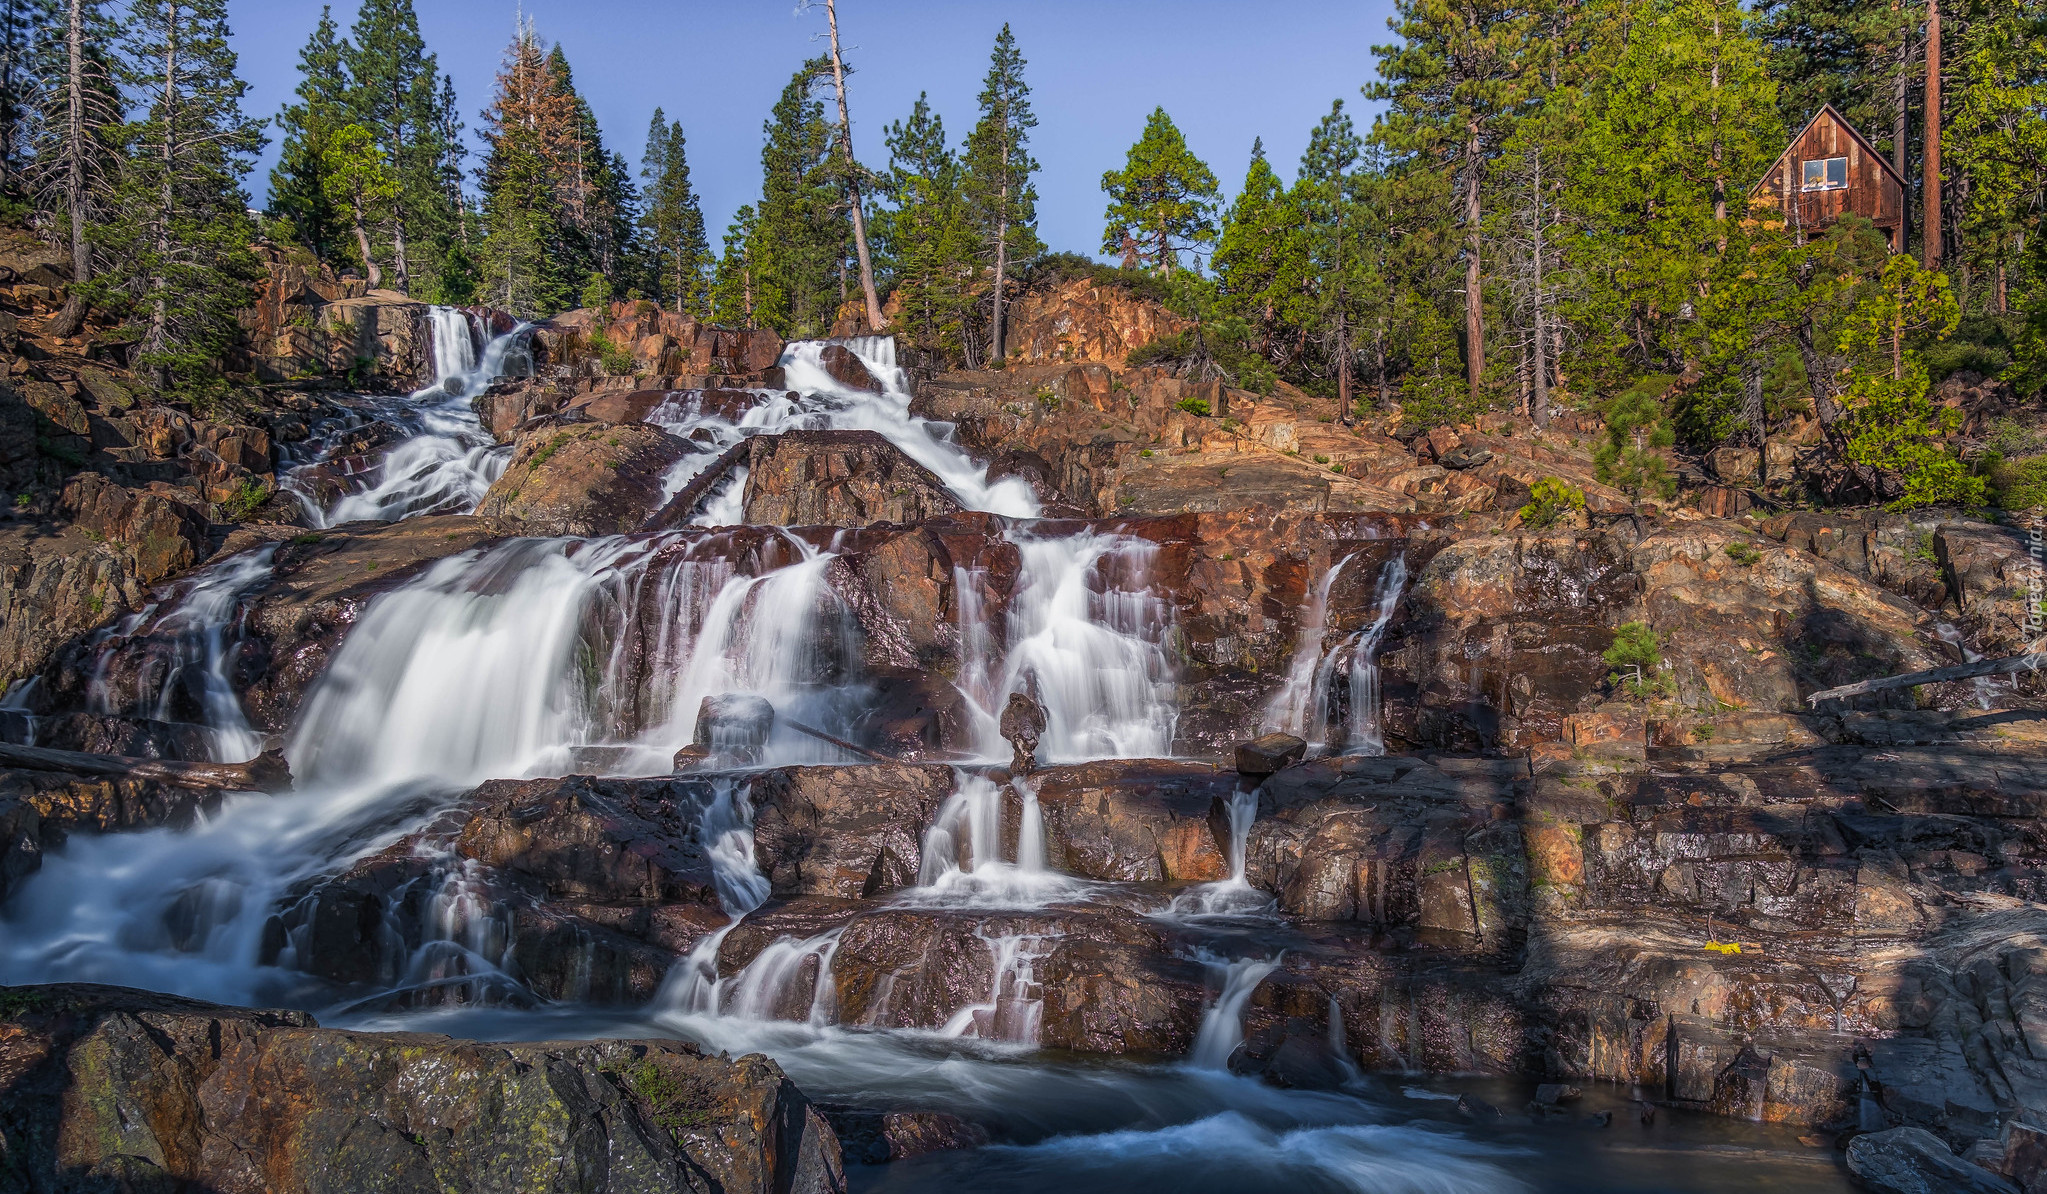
x=103, y=1088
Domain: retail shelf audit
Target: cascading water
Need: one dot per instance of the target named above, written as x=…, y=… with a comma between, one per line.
x=1301, y=706
x=1094, y=657
x=1363, y=735
x=449, y=461
x=1305, y=705
x=1015, y=1007
x=1222, y=1025
x=517, y=659
x=963, y=864
x=1233, y=896
x=186, y=641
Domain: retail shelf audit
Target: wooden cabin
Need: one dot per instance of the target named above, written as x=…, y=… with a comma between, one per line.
x=1828, y=170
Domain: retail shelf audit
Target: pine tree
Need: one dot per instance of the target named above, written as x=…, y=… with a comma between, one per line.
x=298, y=191
x=1454, y=87
x=1325, y=197
x=852, y=175
x=78, y=147
x=525, y=261
x=1997, y=138
x=732, y=290
x=359, y=184
x=25, y=25
x=1164, y=198
x=1855, y=55
x=1002, y=202
x=673, y=222
x=1258, y=259
x=1675, y=126
x=927, y=241
x=393, y=92
x=180, y=230
x=798, y=252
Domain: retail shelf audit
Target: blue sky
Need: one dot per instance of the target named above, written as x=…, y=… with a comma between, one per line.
x=1227, y=71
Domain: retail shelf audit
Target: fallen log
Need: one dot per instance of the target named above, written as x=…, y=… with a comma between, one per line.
x=841, y=743
x=267, y=772
x=1960, y=671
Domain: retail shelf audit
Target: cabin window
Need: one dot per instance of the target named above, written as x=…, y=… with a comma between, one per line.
x=1826, y=174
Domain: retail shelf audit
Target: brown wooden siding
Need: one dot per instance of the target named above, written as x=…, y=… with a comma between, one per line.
x=1873, y=192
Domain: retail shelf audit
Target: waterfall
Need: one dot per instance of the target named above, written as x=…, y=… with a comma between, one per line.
x=1305, y=704
x=963, y=864
x=1301, y=706
x=930, y=444
x=1233, y=897
x=1222, y=1025
x=692, y=986
x=1015, y=1006
x=449, y=461
x=1095, y=658
x=771, y=984
x=187, y=642
x=1362, y=733
x=454, y=346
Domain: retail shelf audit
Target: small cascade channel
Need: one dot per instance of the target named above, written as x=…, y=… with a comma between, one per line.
x=542, y=657
x=446, y=460
x=1310, y=705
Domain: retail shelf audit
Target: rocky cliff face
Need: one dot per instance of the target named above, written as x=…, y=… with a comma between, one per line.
x=308, y=325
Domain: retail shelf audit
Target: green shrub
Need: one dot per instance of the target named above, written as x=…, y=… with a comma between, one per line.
x=2016, y=484
x=617, y=362
x=1636, y=658
x=247, y=498
x=1744, y=554
x=1635, y=427
x=597, y=297
x=1193, y=406
x=1550, y=500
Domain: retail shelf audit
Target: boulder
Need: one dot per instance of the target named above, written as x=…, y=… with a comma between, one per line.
x=124, y=1089
x=1269, y=753
x=878, y=1137
x=734, y=726
x=162, y=533
x=40, y=809
x=591, y=479
x=1915, y=1161
x=1023, y=719
x=836, y=478
x=848, y=369
x=53, y=589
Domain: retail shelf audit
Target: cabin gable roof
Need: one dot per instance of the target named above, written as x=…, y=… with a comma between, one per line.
x=1827, y=111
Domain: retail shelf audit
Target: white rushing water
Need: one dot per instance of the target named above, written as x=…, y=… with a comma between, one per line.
x=1087, y=638
x=1306, y=703
x=817, y=401
x=187, y=640
x=449, y=461
x=1222, y=1025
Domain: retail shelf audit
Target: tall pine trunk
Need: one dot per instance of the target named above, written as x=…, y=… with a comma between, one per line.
x=159, y=323
x=398, y=247
x=72, y=317
x=1931, y=209
x=1474, y=298
x=874, y=320
x=999, y=340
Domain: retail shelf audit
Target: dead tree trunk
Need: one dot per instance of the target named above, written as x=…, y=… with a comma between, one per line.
x=874, y=319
